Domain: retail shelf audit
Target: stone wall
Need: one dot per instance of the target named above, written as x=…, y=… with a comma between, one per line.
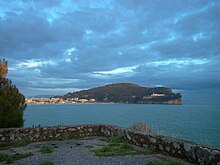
x=187, y=150
x=48, y=133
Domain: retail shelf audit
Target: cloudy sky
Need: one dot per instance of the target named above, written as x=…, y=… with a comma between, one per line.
x=57, y=46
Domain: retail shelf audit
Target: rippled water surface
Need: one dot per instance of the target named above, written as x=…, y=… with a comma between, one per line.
x=200, y=123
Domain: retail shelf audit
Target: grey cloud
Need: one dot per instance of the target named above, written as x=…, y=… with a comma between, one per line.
x=109, y=35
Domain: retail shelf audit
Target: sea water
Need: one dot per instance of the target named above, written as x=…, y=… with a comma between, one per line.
x=199, y=123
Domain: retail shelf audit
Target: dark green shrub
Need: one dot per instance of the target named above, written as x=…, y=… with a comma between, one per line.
x=47, y=163
x=21, y=143
x=117, y=147
x=155, y=163
x=65, y=136
x=114, y=139
x=47, y=149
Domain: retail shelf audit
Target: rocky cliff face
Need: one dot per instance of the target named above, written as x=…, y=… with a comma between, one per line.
x=176, y=101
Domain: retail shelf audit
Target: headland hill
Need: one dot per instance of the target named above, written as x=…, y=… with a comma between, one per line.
x=123, y=93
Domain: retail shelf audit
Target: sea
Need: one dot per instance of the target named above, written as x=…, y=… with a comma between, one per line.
x=198, y=123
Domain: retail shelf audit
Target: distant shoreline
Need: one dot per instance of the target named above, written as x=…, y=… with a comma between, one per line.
x=68, y=103
x=98, y=103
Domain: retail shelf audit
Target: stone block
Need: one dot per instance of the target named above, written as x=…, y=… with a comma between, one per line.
x=167, y=148
x=161, y=147
x=12, y=137
x=3, y=139
x=153, y=140
x=90, y=130
x=176, y=145
x=128, y=136
x=215, y=152
x=72, y=129
x=187, y=147
x=142, y=140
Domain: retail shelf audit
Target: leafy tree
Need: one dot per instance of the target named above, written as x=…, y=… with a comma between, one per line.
x=12, y=102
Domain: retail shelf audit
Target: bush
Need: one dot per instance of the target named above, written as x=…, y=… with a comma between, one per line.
x=114, y=139
x=12, y=102
x=65, y=136
x=118, y=147
x=47, y=163
x=47, y=149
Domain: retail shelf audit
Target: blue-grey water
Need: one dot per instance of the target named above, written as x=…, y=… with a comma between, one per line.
x=199, y=123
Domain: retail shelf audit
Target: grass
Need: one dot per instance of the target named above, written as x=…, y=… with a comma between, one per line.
x=18, y=143
x=5, y=146
x=120, y=149
x=65, y=136
x=176, y=162
x=11, y=158
x=114, y=139
x=117, y=147
x=47, y=163
x=47, y=149
x=151, y=149
x=165, y=163
x=21, y=143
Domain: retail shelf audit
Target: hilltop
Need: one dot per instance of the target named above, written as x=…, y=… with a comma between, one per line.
x=126, y=93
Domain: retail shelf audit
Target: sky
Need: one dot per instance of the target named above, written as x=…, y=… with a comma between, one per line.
x=59, y=46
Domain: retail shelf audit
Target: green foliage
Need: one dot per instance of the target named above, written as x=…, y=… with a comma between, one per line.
x=47, y=163
x=165, y=163
x=155, y=163
x=174, y=162
x=12, y=104
x=21, y=143
x=114, y=139
x=17, y=143
x=151, y=149
x=47, y=149
x=11, y=158
x=117, y=147
x=65, y=136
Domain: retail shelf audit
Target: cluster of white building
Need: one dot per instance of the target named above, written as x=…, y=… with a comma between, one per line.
x=153, y=95
x=58, y=101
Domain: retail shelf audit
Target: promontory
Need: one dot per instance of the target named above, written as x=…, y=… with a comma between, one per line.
x=126, y=93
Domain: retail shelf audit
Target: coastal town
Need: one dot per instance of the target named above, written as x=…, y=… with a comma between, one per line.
x=58, y=101
x=54, y=100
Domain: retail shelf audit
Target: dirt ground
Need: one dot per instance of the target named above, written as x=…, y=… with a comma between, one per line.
x=78, y=152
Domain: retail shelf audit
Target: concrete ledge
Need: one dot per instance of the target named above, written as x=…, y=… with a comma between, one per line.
x=187, y=150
